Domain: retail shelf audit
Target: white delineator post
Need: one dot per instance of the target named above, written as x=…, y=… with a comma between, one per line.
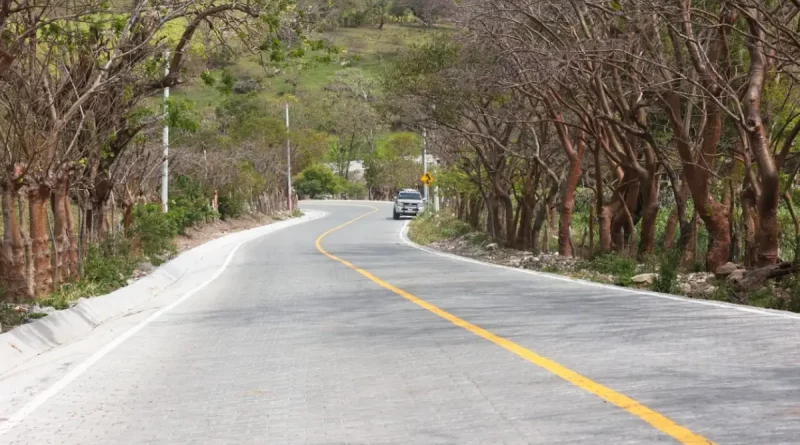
x=288, y=162
x=165, y=141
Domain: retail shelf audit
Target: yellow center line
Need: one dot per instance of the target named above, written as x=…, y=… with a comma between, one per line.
x=658, y=421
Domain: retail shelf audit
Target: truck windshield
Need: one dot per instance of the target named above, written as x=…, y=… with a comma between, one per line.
x=410, y=195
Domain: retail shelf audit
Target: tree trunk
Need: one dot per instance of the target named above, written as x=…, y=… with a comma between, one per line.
x=40, y=250
x=751, y=224
x=647, y=238
x=622, y=225
x=697, y=174
x=769, y=199
x=603, y=220
x=127, y=214
x=541, y=218
x=72, y=259
x=591, y=231
x=678, y=216
x=12, y=276
x=687, y=241
x=568, y=202
x=671, y=230
x=510, y=221
x=59, y=201
x=475, y=208
x=525, y=229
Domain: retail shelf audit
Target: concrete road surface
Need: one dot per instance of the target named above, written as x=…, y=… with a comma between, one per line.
x=382, y=343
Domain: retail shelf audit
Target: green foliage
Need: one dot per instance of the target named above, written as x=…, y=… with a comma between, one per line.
x=352, y=190
x=232, y=204
x=189, y=204
x=10, y=316
x=622, y=267
x=430, y=227
x=155, y=233
x=182, y=115
x=668, y=273
x=236, y=196
x=793, y=289
x=317, y=180
x=392, y=166
x=107, y=267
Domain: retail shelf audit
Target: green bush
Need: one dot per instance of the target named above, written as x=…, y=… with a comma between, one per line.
x=232, y=205
x=10, y=316
x=431, y=227
x=794, y=294
x=353, y=190
x=106, y=267
x=155, y=232
x=317, y=180
x=109, y=264
x=668, y=273
x=188, y=204
x=622, y=267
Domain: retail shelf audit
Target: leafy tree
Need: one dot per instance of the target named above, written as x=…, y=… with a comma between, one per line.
x=317, y=180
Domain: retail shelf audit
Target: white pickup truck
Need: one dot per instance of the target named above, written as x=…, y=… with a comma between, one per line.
x=408, y=202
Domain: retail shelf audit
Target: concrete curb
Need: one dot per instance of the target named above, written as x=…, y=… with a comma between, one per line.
x=173, y=278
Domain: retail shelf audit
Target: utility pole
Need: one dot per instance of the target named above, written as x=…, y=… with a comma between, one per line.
x=288, y=162
x=165, y=140
x=425, y=157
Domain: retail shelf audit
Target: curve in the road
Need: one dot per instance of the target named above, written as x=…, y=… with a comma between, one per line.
x=655, y=419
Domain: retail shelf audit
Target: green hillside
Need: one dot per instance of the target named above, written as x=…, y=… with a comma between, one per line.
x=364, y=49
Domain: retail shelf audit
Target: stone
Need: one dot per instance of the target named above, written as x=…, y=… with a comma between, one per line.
x=685, y=288
x=492, y=246
x=726, y=269
x=736, y=275
x=247, y=85
x=645, y=278
x=708, y=290
x=145, y=267
x=699, y=277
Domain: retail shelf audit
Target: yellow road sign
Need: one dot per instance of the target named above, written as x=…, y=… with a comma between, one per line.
x=427, y=178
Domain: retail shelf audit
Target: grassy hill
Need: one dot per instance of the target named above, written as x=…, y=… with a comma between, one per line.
x=364, y=49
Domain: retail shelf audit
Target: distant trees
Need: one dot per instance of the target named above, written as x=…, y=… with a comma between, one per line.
x=643, y=103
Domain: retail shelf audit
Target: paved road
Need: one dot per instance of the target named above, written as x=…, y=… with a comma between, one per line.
x=289, y=346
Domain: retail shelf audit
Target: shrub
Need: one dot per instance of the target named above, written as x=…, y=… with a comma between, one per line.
x=620, y=266
x=668, y=273
x=10, y=316
x=188, y=204
x=109, y=264
x=317, y=180
x=354, y=190
x=232, y=205
x=431, y=227
x=155, y=232
x=106, y=267
x=794, y=294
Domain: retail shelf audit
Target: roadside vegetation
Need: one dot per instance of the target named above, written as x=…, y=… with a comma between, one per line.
x=82, y=157
x=652, y=141
x=445, y=232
